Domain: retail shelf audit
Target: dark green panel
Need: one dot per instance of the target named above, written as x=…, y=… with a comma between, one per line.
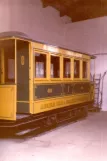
x=81, y=88
x=42, y=91
x=63, y=89
x=68, y=88
x=22, y=71
x=22, y=107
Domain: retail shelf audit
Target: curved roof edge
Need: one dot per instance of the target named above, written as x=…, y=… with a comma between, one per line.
x=17, y=34
x=13, y=34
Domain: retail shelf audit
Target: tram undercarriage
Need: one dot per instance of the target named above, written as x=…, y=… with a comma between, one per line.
x=28, y=125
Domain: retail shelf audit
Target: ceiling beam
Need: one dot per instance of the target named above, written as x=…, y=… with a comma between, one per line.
x=78, y=10
x=46, y=3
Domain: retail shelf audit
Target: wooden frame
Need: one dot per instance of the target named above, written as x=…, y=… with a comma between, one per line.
x=87, y=61
x=62, y=53
x=48, y=76
x=2, y=57
x=15, y=61
x=9, y=104
x=60, y=67
x=47, y=65
x=80, y=70
x=31, y=68
x=66, y=79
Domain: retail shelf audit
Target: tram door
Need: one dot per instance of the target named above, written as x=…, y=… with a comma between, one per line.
x=22, y=77
x=7, y=80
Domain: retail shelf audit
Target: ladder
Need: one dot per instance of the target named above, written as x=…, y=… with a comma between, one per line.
x=98, y=81
x=97, y=84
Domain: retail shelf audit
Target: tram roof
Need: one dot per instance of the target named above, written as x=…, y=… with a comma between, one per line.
x=21, y=35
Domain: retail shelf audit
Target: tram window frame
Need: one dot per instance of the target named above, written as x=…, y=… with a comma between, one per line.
x=77, y=78
x=56, y=55
x=42, y=53
x=67, y=78
x=7, y=53
x=83, y=69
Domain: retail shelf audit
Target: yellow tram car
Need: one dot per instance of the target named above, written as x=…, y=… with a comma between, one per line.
x=40, y=83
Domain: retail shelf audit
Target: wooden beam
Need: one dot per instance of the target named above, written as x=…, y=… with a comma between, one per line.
x=78, y=10
x=45, y=3
x=62, y=13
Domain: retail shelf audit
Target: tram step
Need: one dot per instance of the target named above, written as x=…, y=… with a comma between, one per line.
x=26, y=132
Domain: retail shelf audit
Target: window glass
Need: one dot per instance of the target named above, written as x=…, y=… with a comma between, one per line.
x=66, y=68
x=55, y=67
x=76, y=68
x=11, y=69
x=40, y=65
x=84, y=69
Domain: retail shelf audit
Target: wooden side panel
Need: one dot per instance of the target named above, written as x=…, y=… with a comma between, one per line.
x=8, y=102
x=51, y=104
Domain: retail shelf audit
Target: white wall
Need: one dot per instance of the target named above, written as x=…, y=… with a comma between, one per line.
x=5, y=16
x=41, y=24
x=101, y=67
x=88, y=36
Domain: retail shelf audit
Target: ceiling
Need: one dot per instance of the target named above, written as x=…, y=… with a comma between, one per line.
x=79, y=10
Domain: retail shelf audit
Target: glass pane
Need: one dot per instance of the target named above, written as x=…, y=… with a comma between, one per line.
x=40, y=65
x=84, y=69
x=66, y=68
x=55, y=67
x=11, y=68
x=76, y=68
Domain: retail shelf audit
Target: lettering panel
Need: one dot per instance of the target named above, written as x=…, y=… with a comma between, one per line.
x=51, y=104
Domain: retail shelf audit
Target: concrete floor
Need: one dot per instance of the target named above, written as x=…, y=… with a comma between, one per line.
x=85, y=140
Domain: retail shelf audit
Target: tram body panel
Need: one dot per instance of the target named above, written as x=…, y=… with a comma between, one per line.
x=8, y=102
x=57, y=95
x=55, y=103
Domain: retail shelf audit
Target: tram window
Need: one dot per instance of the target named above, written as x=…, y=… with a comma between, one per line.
x=66, y=67
x=84, y=69
x=55, y=67
x=7, y=57
x=76, y=68
x=11, y=68
x=40, y=65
